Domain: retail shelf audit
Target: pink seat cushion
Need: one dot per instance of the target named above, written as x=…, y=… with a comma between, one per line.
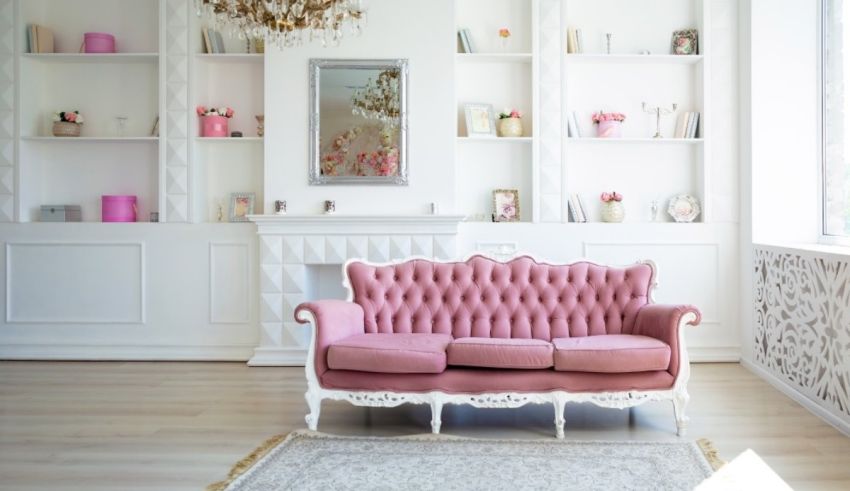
x=500, y=353
x=390, y=353
x=611, y=353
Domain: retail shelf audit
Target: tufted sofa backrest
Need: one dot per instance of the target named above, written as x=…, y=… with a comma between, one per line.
x=482, y=297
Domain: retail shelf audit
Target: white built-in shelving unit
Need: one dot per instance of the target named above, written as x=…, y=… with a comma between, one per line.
x=536, y=75
x=505, y=78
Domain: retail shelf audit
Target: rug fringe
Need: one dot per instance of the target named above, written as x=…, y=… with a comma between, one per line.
x=710, y=453
x=246, y=463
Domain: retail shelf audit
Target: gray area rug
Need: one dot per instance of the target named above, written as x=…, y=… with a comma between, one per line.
x=310, y=460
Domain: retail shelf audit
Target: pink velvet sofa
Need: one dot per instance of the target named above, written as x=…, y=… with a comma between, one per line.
x=497, y=334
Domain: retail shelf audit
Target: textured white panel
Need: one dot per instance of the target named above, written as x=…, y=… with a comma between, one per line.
x=176, y=42
x=7, y=42
x=6, y=13
x=111, y=295
x=177, y=68
x=270, y=333
x=176, y=152
x=271, y=249
x=379, y=248
x=358, y=247
x=550, y=179
x=297, y=334
x=176, y=180
x=293, y=249
x=422, y=245
x=230, y=283
x=7, y=180
x=399, y=247
x=549, y=109
x=335, y=250
x=176, y=14
x=7, y=208
x=177, y=207
x=550, y=207
x=176, y=96
x=290, y=302
x=271, y=278
x=7, y=69
x=294, y=278
x=7, y=153
x=7, y=124
x=444, y=247
x=271, y=307
x=314, y=249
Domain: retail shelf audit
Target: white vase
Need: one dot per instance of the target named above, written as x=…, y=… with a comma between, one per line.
x=613, y=212
x=510, y=127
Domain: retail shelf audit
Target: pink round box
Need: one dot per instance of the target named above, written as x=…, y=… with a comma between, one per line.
x=118, y=208
x=99, y=42
x=214, y=126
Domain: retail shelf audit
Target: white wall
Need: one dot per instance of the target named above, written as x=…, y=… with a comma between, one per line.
x=422, y=32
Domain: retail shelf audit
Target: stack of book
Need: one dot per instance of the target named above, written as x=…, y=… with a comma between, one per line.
x=688, y=125
x=213, y=42
x=575, y=44
x=573, y=130
x=39, y=39
x=576, y=209
x=465, y=41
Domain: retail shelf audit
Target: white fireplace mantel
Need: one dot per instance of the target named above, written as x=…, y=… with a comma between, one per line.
x=289, y=244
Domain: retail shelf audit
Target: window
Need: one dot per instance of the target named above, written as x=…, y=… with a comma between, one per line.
x=835, y=127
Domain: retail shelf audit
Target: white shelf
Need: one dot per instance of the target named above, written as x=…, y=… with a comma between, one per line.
x=99, y=139
x=231, y=57
x=635, y=59
x=496, y=139
x=654, y=141
x=93, y=57
x=234, y=139
x=494, y=57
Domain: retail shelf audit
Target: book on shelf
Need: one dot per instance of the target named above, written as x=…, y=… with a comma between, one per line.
x=694, y=126
x=576, y=209
x=579, y=42
x=39, y=39
x=213, y=42
x=687, y=126
x=572, y=41
x=219, y=42
x=467, y=37
x=582, y=209
x=463, y=38
x=207, y=44
x=573, y=130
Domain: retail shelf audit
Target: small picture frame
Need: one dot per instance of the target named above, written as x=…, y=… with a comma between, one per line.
x=480, y=120
x=685, y=42
x=506, y=205
x=241, y=205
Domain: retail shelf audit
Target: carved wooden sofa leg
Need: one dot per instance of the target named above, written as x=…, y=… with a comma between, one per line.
x=436, y=413
x=314, y=402
x=680, y=401
x=560, y=403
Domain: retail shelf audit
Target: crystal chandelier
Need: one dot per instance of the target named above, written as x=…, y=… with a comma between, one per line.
x=379, y=99
x=285, y=22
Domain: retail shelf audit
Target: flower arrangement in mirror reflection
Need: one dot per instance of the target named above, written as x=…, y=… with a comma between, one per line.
x=373, y=148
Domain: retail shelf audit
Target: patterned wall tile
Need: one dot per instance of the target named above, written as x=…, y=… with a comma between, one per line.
x=802, y=324
x=549, y=111
x=177, y=186
x=314, y=249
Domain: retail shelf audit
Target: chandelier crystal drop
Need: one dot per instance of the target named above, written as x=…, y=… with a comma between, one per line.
x=287, y=23
x=379, y=99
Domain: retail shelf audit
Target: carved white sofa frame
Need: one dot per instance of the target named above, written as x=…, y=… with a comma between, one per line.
x=315, y=394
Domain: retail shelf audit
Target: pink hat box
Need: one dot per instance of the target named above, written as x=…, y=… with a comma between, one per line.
x=118, y=208
x=99, y=42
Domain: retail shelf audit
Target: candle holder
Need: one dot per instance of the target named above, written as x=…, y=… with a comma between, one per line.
x=658, y=111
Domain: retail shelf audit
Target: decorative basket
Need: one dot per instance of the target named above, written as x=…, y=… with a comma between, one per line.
x=613, y=212
x=214, y=126
x=510, y=127
x=64, y=128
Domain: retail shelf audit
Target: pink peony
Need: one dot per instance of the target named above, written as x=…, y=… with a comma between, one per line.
x=201, y=110
x=229, y=112
x=71, y=117
x=617, y=196
x=606, y=197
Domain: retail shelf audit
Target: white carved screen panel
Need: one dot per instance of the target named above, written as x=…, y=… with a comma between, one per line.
x=67, y=283
x=802, y=324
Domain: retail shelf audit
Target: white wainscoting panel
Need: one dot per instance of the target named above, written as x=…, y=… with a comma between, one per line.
x=75, y=283
x=230, y=282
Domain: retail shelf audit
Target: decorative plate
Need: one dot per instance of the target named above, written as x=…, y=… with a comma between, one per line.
x=684, y=208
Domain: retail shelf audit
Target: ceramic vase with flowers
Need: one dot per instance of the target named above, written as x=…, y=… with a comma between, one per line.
x=214, y=121
x=608, y=125
x=504, y=37
x=612, y=207
x=510, y=123
x=67, y=123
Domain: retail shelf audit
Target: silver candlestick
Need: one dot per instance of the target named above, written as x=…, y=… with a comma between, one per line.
x=658, y=111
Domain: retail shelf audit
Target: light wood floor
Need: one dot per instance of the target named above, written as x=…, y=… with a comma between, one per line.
x=170, y=426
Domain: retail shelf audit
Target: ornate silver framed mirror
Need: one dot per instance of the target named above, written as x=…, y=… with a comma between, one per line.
x=358, y=122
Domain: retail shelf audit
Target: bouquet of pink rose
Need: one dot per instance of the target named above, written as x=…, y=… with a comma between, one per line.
x=513, y=113
x=220, y=111
x=612, y=196
x=68, y=117
x=600, y=117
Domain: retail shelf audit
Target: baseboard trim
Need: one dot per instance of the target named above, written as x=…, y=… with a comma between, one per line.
x=722, y=354
x=65, y=352
x=790, y=391
x=278, y=357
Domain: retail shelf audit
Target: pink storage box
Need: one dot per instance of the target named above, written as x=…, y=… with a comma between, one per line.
x=214, y=126
x=99, y=42
x=120, y=208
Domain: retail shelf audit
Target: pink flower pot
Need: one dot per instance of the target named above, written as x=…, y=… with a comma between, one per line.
x=120, y=208
x=214, y=126
x=99, y=42
x=609, y=129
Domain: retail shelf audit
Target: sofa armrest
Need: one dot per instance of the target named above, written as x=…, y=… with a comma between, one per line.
x=662, y=322
x=332, y=320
